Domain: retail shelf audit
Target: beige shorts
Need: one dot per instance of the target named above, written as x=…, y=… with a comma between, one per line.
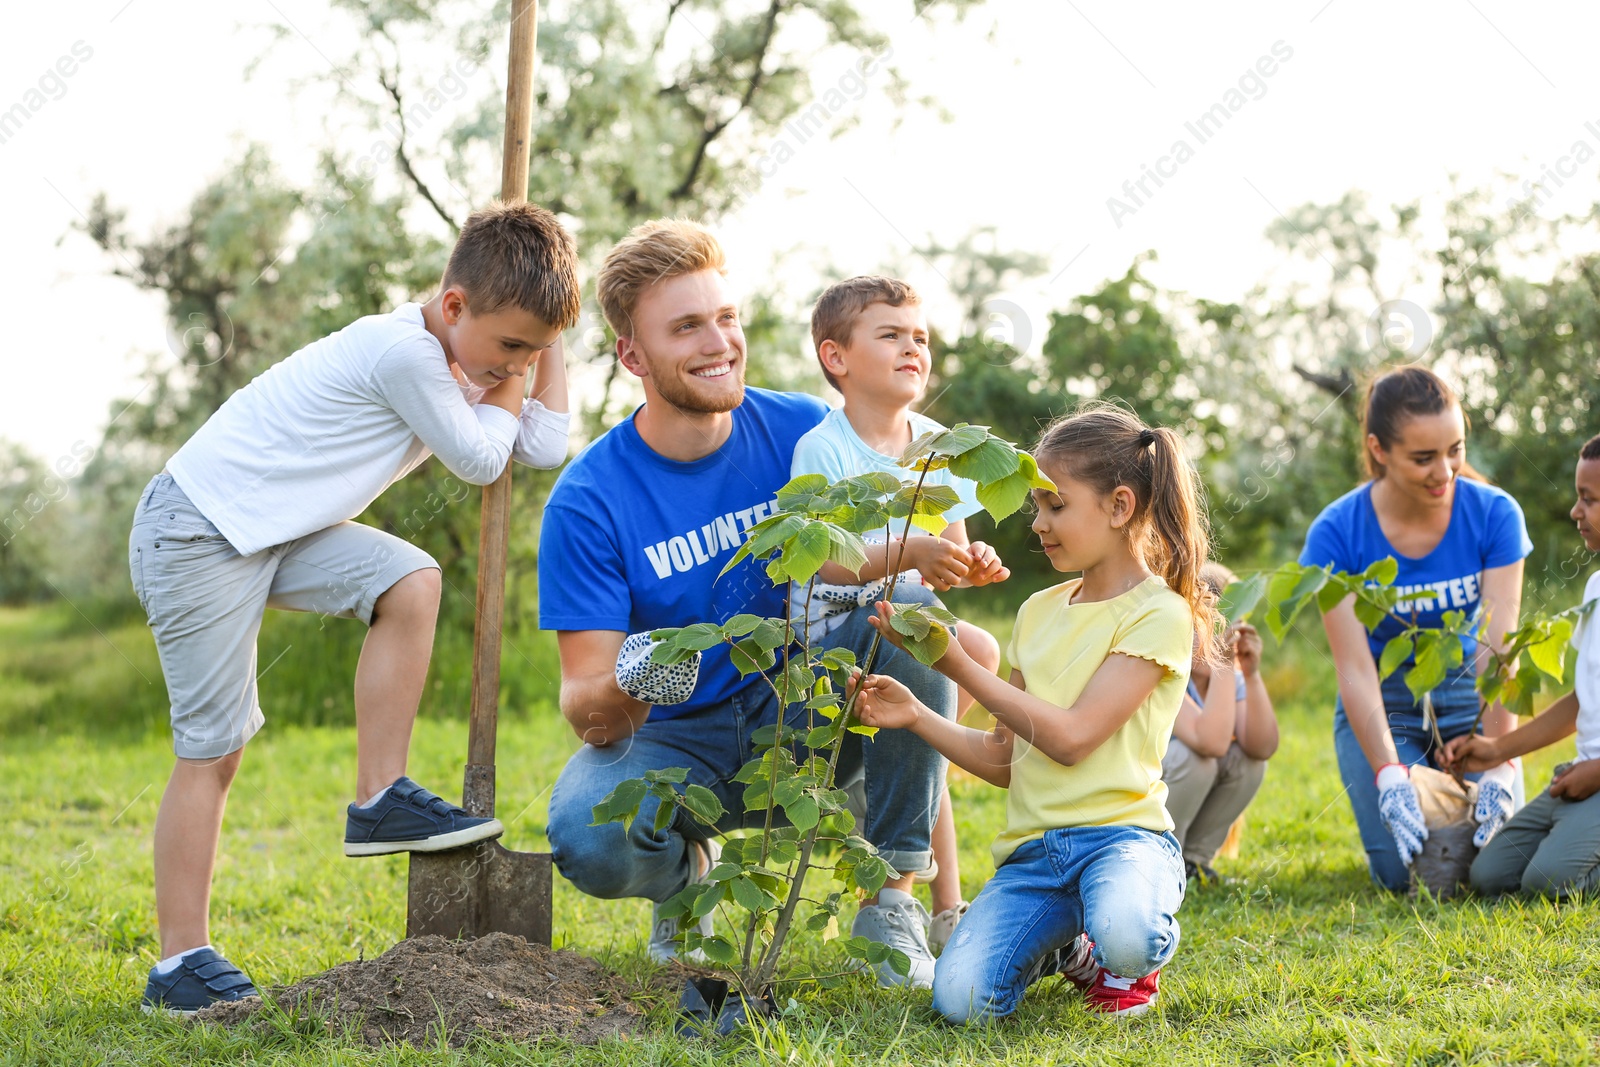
x=204, y=602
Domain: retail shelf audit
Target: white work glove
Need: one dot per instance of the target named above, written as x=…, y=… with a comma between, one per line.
x=654, y=683
x=1494, y=802
x=1397, y=803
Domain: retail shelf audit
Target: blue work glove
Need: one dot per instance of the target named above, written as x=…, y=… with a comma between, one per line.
x=651, y=682
x=1402, y=814
x=1494, y=802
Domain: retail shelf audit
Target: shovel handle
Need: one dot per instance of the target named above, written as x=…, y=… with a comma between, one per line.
x=478, y=789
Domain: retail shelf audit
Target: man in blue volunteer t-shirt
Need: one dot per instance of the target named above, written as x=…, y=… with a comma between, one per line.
x=635, y=534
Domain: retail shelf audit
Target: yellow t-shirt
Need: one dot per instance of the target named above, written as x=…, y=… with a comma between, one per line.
x=1058, y=645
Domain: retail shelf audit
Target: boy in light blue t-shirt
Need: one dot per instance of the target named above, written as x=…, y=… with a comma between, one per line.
x=872, y=341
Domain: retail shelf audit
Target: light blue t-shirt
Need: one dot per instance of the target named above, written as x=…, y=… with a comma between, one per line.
x=834, y=450
x=1486, y=530
x=633, y=541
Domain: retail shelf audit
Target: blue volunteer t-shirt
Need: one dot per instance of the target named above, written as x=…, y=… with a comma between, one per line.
x=1486, y=530
x=633, y=541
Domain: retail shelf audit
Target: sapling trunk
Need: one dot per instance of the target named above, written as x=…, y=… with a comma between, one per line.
x=769, y=961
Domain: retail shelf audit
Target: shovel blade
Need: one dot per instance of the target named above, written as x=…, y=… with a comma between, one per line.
x=481, y=889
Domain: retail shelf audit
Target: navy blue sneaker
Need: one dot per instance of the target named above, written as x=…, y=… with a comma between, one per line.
x=200, y=979
x=411, y=819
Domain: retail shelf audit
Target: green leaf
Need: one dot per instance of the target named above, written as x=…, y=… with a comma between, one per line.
x=703, y=804
x=870, y=874
x=846, y=548
x=989, y=462
x=1369, y=614
x=1383, y=572
x=959, y=439
x=1002, y=499
x=1242, y=597
x=1547, y=654
x=707, y=897
x=803, y=813
x=930, y=649
x=719, y=950
x=699, y=636
x=1329, y=596
x=741, y=624
x=751, y=658
x=1395, y=653
x=764, y=537
x=621, y=804
x=807, y=551
x=802, y=488
x=748, y=895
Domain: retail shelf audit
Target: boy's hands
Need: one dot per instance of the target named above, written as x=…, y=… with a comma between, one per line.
x=508, y=394
x=1247, y=649
x=1580, y=781
x=984, y=566
x=941, y=563
x=884, y=702
x=1470, y=753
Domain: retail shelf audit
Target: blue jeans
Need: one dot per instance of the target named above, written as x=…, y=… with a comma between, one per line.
x=904, y=778
x=1455, y=704
x=1119, y=884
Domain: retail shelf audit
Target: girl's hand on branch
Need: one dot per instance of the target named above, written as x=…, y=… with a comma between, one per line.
x=1469, y=754
x=1580, y=781
x=880, y=623
x=884, y=702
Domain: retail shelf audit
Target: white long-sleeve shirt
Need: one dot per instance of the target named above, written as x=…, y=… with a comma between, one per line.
x=315, y=438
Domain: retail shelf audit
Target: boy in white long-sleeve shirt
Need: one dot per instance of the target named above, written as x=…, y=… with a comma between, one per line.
x=254, y=512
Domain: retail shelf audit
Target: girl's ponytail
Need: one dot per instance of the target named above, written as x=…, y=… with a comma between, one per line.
x=1180, y=533
x=1105, y=446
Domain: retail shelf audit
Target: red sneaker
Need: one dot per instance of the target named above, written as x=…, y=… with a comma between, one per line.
x=1122, y=996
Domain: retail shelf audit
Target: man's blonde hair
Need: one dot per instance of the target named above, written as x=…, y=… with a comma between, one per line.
x=841, y=304
x=653, y=252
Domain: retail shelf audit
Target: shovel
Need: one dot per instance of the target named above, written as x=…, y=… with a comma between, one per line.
x=486, y=888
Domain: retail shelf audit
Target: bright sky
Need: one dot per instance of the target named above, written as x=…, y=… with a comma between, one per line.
x=1052, y=107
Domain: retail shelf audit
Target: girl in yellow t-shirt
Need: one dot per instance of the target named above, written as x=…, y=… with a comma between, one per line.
x=1089, y=874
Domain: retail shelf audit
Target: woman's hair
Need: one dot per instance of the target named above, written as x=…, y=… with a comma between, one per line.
x=1104, y=446
x=1397, y=396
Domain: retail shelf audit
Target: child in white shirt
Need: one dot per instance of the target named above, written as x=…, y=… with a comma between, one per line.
x=1552, y=846
x=872, y=342
x=254, y=512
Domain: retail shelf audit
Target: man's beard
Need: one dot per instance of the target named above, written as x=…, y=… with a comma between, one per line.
x=683, y=396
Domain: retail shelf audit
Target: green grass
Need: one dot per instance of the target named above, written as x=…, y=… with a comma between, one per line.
x=1300, y=960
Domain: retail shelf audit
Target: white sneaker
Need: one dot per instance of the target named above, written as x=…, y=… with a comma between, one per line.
x=898, y=920
x=666, y=932
x=943, y=927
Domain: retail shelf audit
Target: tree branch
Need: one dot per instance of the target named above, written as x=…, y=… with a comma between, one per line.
x=713, y=131
x=1337, y=384
x=392, y=86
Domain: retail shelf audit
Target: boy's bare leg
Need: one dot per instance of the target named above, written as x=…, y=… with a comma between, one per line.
x=945, y=889
x=390, y=676
x=188, y=825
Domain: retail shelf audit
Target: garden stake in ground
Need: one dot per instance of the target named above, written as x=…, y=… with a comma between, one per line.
x=759, y=884
x=487, y=888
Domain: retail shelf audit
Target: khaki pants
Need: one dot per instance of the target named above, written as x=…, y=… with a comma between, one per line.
x=1551, y=846
x=1205, y=794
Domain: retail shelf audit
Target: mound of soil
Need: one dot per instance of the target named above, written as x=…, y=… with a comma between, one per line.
x=498, y=986
x=1447, y=855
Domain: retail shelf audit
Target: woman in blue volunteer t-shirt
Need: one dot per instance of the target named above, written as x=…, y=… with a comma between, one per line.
x=1460, y=543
